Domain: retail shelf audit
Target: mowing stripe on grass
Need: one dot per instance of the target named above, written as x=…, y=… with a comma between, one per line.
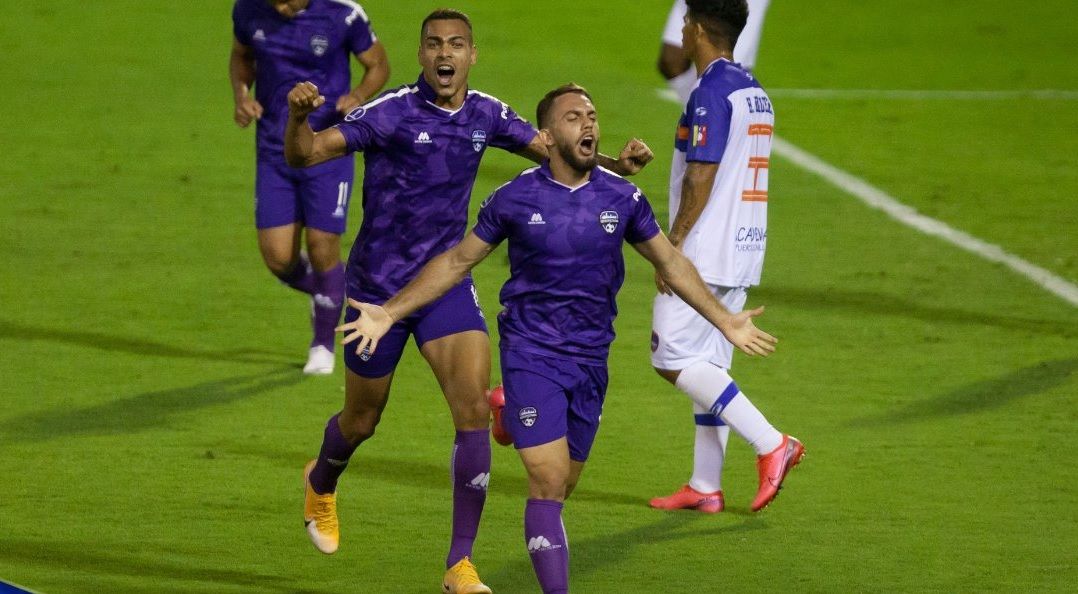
x=907, y=215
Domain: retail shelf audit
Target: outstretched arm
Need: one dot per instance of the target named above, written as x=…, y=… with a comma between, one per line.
x=680, y=275
x=304, y=147
x=434, y=280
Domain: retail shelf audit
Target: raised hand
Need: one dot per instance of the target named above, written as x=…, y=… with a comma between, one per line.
x=303, y=99
x=634, y=157
x=743, y=333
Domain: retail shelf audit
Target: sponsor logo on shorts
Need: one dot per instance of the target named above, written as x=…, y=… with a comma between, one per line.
x=319, y=44
x=609, y=220
x=654, y=342
x=365, y=355
x=528, y=415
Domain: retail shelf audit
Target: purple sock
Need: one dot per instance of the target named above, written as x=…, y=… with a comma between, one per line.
x=301, y=277
x=470, y=471
x=544, y=534
x=328, y=299
x=332, y=458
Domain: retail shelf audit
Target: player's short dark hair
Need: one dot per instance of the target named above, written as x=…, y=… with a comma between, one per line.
x=543, y=109
x=444, y=14
x=722, y=19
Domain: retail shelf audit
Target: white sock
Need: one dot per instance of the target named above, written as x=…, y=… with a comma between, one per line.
x=712, y=387
x=708, y=452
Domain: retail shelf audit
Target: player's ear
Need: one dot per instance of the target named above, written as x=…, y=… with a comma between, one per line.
x=546, y=137
x=475, y=53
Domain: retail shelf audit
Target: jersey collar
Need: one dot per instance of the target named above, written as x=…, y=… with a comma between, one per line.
x=544, y=170
x=427, y=93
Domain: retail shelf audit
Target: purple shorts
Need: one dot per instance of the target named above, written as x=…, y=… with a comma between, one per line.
x=547, y=399
x=455, y=312
x=316, y=196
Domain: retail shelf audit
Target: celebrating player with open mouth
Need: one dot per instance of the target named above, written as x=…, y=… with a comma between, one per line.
x=565, y=222
x=422, y=145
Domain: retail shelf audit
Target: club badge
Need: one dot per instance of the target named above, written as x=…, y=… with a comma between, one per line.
x=609, y=220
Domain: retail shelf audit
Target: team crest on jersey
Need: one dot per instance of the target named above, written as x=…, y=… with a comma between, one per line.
x=528, y=416
x=479, y=139
x=609, y=220
x=319, y=45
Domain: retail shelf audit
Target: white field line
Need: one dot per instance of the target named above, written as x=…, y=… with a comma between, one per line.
x=907, y=215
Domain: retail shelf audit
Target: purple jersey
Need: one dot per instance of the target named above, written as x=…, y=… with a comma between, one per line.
x=314, y=46
x=420, y=162
x=565, y=259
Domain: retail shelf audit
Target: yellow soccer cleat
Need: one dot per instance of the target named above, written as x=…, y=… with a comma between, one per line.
x=320, y=516
x=463, y=579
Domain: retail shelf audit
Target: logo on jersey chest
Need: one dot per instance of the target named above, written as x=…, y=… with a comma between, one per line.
x=479, y=139
x=319, y=45
x=609, y=220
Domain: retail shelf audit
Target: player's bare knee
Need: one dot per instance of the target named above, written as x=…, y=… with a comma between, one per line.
x=323, y=249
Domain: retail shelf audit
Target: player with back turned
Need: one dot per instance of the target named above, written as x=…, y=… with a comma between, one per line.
x=718, y=201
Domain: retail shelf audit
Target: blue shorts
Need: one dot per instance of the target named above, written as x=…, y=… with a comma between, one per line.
x=455, y=312
x=548, y=398
x=315, y=196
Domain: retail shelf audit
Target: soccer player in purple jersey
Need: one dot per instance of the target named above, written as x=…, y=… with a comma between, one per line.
x=278, y=43
x=565, y=222
x=422, y=147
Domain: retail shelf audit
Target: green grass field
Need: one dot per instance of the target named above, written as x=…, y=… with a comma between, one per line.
x=154, y=421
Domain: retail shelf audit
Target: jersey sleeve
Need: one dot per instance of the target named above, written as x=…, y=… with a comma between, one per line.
x=368, y=125
x=239, y=18
x=512, y=132
x=488, y=225
x=643, y=225
x=708, y=115
x=359, y=37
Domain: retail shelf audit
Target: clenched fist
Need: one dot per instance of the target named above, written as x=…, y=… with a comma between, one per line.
x=303, y=99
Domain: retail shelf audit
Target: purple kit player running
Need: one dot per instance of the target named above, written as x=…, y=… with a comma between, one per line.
x=277, y=44
x=422, y=145
x=565, y=222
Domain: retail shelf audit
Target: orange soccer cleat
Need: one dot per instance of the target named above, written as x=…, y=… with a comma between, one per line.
x=773, y=469
x=496, y=397
x=688, y=498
